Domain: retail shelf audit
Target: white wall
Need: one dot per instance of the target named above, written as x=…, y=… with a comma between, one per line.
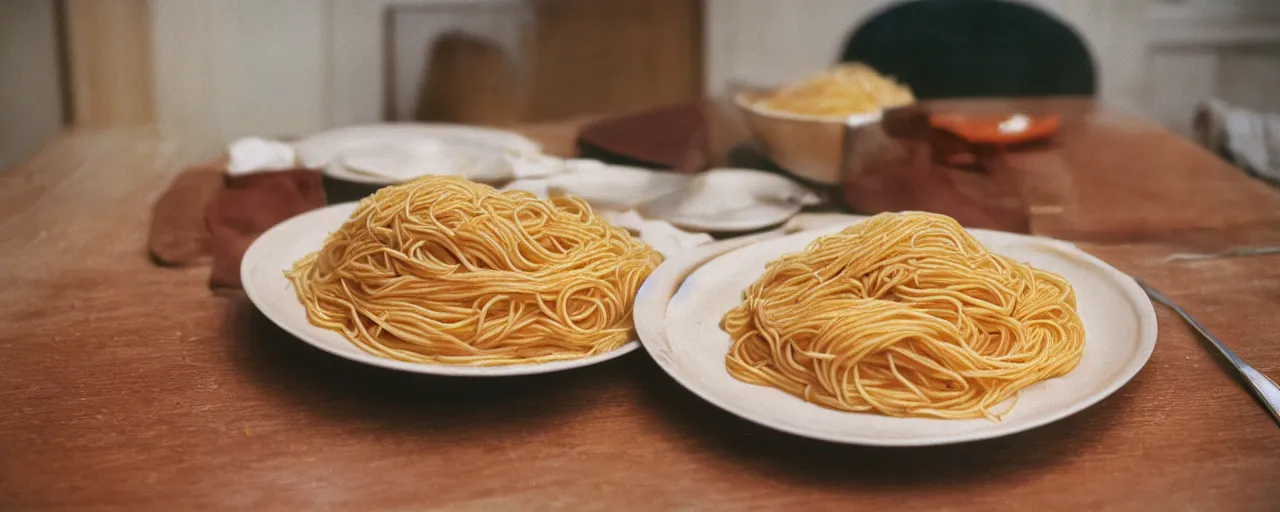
x=230, y=68
x=766, y=43
x=30, y=101
x=227, y=68
x=1201, y=48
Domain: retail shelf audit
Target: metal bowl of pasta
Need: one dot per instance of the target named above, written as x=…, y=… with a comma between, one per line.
x=802, y=126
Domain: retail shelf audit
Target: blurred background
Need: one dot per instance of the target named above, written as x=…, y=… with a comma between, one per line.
x=214, y=70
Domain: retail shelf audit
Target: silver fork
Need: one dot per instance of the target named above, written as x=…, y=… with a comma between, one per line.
x=1229, y=253
x=1264, y=388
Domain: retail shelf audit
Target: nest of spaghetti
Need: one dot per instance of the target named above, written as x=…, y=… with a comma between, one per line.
x=844, y=90
x=907, y=315
x=442, y=270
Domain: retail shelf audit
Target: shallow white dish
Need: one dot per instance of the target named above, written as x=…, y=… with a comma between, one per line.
x=396, y=163
x=731, y=200
x=262, y=273
x=391, y=147
x=678, y=319
x=616, y=187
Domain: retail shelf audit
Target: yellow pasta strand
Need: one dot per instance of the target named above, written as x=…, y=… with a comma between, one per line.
x=905, y=314
x=443, y=270
x=844, y=90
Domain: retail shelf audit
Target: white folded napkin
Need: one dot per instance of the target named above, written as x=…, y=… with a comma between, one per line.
x=660, y=235
x=1249, y=138
x=251, y=154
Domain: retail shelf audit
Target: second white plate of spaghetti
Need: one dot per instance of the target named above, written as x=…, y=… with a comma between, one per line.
x=263, y=275
x=680, y=311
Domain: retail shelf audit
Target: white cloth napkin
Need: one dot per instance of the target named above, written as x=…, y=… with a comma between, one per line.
x=252, y=154
x=1249, y=138
x=659, y=234
x=530, y=166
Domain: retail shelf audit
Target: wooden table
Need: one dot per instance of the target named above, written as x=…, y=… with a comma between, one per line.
x=124, y=385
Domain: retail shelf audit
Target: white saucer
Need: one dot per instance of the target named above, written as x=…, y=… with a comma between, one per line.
x=679, y=308
x=262, y=273
x=731, y=201
x=397, y=163
x=387, y=154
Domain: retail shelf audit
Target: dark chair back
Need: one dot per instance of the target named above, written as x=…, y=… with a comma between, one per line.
x=974, y=48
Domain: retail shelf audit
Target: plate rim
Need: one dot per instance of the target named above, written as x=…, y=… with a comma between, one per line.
x=506, y=139
x=686, y=264
x=257, y=293
x=696, y=224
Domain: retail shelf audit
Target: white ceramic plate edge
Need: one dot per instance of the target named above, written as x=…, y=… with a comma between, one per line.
x=323, y=144
x=258, y=290
x=767, y=214
x=657, y=292
x=742, y=100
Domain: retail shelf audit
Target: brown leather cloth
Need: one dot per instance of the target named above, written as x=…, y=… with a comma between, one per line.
x=204, y=215
x=250, y=205
x=902, y=164
x=178, y=235
x=673, y=137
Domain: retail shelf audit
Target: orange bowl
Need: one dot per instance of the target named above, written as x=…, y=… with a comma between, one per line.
x=986, y=129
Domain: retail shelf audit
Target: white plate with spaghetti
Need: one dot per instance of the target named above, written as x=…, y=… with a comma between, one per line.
x=262, y=272
x=679, y=309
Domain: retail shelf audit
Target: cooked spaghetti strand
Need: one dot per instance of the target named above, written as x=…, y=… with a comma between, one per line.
x=846, y=89
x=905, y=314
x=443, y=270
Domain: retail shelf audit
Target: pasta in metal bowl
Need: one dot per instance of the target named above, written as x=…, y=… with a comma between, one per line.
x=842, y=91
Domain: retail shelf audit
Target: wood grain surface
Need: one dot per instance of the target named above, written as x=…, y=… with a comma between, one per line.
x=128, y=386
